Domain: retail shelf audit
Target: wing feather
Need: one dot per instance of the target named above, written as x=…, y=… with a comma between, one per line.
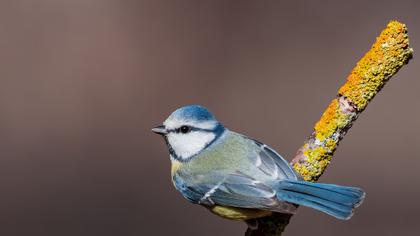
x=271, y=163
x=236, y=190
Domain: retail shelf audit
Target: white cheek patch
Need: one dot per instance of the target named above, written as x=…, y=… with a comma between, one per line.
x=187, y=145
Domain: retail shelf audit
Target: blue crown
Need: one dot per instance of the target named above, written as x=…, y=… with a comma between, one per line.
x=193, y=112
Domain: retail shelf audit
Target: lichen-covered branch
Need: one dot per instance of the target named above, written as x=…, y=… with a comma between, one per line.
x=388, y=54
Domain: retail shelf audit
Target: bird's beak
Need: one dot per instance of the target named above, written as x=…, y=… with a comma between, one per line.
x=160, y=130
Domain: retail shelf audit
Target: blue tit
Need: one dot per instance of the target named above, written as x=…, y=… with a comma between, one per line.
x=240, y=178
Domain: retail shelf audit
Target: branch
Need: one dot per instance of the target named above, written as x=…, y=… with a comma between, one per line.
x=388, y=54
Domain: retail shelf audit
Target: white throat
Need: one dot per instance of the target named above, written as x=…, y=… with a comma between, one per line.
x=190, y=144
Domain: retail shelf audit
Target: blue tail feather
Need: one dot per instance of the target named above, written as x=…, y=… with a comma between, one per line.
x=335, y=200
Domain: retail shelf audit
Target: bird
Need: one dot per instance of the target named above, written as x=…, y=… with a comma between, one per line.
x=240, y=178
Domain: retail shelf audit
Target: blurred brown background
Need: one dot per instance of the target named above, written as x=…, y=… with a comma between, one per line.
x=83, y=81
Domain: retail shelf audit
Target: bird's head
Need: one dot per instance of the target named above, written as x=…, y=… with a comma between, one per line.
x=189, y=130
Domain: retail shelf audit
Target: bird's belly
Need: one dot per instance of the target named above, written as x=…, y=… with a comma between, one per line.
x=235, y=213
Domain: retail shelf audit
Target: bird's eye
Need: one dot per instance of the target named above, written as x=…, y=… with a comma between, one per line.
x=185, y=129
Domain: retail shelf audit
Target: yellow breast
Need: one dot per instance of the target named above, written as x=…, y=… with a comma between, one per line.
x=175, y=166
x=234, y=213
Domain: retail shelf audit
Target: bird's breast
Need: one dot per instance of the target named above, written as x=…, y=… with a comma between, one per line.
x=235, y=213
x=175, y=165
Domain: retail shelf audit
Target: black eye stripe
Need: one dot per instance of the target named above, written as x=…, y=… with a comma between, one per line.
x=178, y=130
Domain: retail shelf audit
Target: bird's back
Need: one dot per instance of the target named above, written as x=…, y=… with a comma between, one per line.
x=230, y=153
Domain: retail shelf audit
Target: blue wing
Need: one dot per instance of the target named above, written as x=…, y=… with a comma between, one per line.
x=235, y=189
x=240, y=190
x=271, y=163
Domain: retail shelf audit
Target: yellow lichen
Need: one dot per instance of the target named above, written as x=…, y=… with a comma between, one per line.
x=303, y=171
x=332, y=119
x=387, y=55
x=318, y=156
x=317, y=160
